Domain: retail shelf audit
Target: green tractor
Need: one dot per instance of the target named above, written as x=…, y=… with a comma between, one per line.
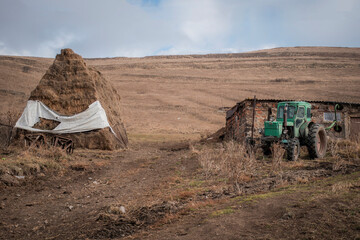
x=294, y=128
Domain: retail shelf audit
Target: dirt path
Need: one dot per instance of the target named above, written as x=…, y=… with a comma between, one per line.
x=62, y=206
x=325, y=209
x=166, y=196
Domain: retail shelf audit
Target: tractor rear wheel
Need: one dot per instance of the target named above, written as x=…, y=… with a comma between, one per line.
x=293, y=149
x=316, y=141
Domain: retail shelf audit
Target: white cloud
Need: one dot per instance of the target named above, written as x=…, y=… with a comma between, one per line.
x=131, y=28
x=268, y=46
x=201, y=20
x=6, y=51
x=51, y=47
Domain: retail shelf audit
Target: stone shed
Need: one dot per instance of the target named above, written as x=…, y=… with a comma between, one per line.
x=239, y=117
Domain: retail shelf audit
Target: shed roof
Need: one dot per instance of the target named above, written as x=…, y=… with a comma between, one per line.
x=305, y=100
x=231, y=112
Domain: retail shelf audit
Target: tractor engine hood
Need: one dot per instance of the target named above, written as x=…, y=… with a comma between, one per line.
x=273, y=128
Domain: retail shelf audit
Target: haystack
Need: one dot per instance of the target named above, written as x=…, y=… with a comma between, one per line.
x=70, y=90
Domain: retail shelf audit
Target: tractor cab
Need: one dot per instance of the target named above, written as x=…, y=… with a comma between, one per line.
x=290, y=117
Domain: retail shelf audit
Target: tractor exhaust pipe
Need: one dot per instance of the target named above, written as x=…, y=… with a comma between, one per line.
x=285, y=116
x=269, y=114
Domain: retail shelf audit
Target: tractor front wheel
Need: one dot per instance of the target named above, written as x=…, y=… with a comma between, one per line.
x=293, y=149
x=316, y=141
x=266, y=148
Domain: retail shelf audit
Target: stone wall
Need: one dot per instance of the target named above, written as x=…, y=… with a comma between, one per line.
x=238, y=124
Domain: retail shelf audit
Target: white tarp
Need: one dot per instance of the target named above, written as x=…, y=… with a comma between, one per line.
x=92, y=118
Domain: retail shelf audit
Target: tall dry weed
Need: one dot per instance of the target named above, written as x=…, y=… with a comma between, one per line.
x=333, y=147
x=277, y=156
x=343, y=151
x=230, y=160
x=34, y=161
x=8, y=120
x=349, y=150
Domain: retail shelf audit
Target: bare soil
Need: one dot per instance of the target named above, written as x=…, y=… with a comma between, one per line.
x=165, y=195
x=156, y=189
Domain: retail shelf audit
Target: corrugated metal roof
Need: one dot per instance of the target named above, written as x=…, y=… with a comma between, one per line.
x=234, y=108
x=305, y=100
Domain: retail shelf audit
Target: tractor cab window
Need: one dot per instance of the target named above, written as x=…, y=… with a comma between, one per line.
x=308, y=113
x=290, y=112
x=301, y=112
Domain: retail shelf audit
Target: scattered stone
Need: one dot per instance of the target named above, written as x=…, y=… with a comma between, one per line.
x=78, y=167
x=20, y=177
x=122, y=209
x=36, y=228
x=182, y=232
x=288, y=215
x=70, y=207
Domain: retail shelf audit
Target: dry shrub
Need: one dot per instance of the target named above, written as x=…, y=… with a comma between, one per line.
x=349, y=150
x=34, y=161
x=185, y=194
x=338, y=164
x=230, y=160
x=333, y=147
x=9, y=118
x=343, y=151
x=194, y=205
x=277, y=156
x=302, y=179
x=341, y=187
x=7, y=123
x=52, y=153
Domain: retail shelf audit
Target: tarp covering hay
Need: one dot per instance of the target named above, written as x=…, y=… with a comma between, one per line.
x=70, y=87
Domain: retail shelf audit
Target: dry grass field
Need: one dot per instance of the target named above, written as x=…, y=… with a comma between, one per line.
x=182, y=96
x=165, y=186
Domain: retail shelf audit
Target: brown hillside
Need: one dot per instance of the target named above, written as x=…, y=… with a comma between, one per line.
x=181, y=95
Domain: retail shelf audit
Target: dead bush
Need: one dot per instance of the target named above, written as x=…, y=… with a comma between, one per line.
x=338, y=164
x=7, y=123
x=230, y=160
x=277, y=156
x=341, y=186
x=342, y=152
x=349, y=150
x=34, y=161
x=51, y=152
x=9, y=118
x=333, y=147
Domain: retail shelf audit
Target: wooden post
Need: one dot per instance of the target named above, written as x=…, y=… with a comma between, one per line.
x=253, y=119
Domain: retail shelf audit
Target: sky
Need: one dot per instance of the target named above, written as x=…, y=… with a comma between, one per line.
x=137, y=28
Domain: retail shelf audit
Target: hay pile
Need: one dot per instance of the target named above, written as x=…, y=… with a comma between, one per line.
x=69, y=86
